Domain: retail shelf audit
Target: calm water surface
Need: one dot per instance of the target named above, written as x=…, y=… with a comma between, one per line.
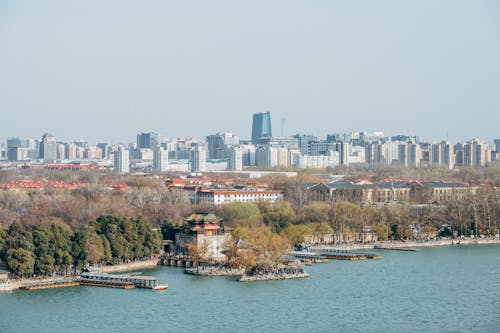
x=450, y=289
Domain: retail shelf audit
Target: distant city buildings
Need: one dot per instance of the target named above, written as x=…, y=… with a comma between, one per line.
x=261, y=126
x=235, y=159
x=148, y=140
x=122, y=162
x=219, y=144
x=48, y=148
x=226, y=151
x=198, y=159
x=160, y=159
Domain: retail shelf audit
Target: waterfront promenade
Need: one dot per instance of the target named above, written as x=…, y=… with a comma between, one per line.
x=11, y=285
x=407, y=244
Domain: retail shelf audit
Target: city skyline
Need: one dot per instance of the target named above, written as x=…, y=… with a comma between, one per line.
x=327, y=67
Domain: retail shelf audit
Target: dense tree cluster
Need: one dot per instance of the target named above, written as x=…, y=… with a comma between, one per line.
x=145, y=197
x=53, y=247
x=43, y=231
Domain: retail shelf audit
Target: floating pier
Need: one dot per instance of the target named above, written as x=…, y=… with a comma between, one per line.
x=347, y=255
x=49, y=284
x=124, y=281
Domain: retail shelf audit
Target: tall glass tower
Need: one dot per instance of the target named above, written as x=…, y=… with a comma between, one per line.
x=261, y=126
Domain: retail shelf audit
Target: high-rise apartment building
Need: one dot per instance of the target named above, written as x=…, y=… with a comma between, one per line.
x=235, y=159
x=104, y=150
x=70, y=151
x=61, y=149
x=343, y=149
x=261, y=126
x=248, y=152
x=374, y=154
x=409, y=154
x=160, y=159
x=442, y=155
x=122, y=163
x=271, y=157
x=48, y=147
x=497, y=144
x=218, y=144
x=304, y=141
x=148, y=140
x=198, y=159
x=475, y=154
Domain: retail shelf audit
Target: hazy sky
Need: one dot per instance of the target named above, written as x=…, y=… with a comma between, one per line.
x=105, y=70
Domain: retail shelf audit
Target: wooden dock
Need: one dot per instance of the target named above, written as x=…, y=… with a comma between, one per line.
x=124, y=281
x=347, y=255
x=49, y=284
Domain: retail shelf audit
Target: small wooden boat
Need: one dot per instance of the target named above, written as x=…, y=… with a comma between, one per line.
x=319, y=260
x=161, y=287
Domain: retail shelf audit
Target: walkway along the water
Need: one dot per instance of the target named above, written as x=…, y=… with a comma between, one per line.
x=123, y=281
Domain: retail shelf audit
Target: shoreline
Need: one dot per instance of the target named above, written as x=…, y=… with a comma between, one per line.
x=409, y=244
x=12, y=285
x=273, y=276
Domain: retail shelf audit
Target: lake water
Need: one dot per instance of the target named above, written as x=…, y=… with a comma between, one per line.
x=447, y=289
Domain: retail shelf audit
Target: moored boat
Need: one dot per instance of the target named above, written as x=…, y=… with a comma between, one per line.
x=161, y=287
x=320, y=260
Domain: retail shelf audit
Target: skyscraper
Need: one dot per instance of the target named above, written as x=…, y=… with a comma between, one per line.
x=235, y=161
x=198, y=159
x=148, y=140
x=160, y=159
x=122, y=160
x=218, y=144
x=261, y=126
x=48, y=147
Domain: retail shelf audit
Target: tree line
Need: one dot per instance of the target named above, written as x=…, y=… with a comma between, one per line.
x=55, y=248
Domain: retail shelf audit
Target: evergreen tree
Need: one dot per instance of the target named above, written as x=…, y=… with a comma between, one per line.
x=79, y=249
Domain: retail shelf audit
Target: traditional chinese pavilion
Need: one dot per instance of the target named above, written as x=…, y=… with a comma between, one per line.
x=206, y=224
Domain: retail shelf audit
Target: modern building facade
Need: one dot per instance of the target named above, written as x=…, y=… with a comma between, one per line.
x=220, y=197
x=122, y=162
x=261, y=126
x=148, y=140
x=48, y=147
x=218, y=144
x=235, y=159
x=160, y=159
x=198, y=159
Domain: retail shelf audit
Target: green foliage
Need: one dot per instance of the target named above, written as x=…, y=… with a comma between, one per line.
x=106, y=249
x=3, y=235
x=168, y=230
x=48, y=248
x=278, y=215
x=21, y=261
x=44, y=250
x=381, y=231
x=319, y=230
x=315, y=212
x=62, y=246
x=240, y=214
x=79, y=249
x=125, y=239
x=296, y=233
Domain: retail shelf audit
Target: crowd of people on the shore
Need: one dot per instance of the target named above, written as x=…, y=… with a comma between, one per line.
x=281, y=270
